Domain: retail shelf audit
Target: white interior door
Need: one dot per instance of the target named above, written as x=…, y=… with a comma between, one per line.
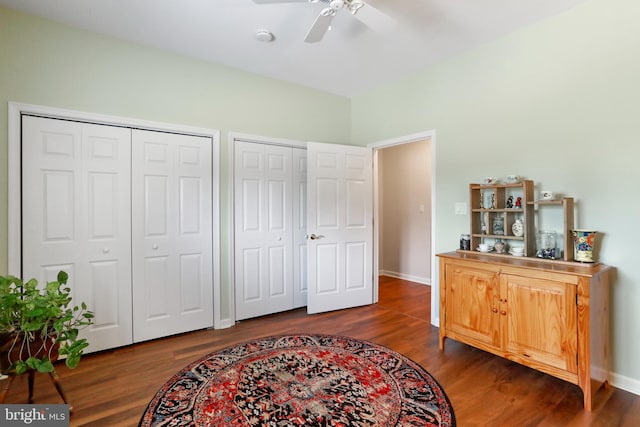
x=172, y=234
x=340, y=227
x=300, y=287
x=76, y=218
x=263, y=229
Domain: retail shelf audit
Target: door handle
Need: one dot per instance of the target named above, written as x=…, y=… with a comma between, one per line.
x=315, y=237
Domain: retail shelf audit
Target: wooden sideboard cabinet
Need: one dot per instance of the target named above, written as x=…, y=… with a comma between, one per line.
x=548, y=315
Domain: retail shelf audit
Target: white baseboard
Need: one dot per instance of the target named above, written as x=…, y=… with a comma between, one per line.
x=224, y=323
x=631, y=385
x=421, y=280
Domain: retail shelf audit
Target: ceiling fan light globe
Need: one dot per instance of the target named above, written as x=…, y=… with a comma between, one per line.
x=336, y=4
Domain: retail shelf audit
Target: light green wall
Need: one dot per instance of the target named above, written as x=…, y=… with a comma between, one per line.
x=48, y=64
x=559, y=103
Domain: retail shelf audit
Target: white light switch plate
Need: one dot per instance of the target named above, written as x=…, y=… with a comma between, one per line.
x=461, y=208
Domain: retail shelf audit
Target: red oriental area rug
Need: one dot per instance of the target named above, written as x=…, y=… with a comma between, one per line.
x=301, y=380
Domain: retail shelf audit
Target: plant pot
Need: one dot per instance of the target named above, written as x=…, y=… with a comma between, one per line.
x=10, y=353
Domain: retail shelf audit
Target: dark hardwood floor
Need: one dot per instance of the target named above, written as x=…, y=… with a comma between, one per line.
x=113, y=388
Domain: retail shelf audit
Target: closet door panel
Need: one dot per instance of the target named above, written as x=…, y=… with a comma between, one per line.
x=172, y=234
x=191, y=282
x=156, y=214
x=51, y=184
x=299, y=227
x=156, y=272
x=106, y=184
x=190, y=206
x=103, y=275
x=59, y=202
x=263, y=229
x=76, y=218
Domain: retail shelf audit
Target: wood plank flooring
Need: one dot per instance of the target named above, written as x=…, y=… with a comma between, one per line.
x=113, y=388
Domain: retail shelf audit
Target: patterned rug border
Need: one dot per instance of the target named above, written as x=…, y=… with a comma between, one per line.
x=279, y=337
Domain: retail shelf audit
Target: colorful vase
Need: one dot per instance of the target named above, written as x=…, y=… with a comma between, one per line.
x=583, y=241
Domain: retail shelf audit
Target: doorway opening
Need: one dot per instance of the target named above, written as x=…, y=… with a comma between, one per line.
x=404, y=211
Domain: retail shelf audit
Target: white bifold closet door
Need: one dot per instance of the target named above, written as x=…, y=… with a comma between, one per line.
x=76, y=217
x=172, y=245
x=270, y=228
x=127, y=214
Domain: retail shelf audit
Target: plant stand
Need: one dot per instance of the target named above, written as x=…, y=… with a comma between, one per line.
x=5, y=384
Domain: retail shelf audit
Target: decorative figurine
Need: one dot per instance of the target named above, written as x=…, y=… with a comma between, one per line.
x=510, y=202
x=519, y=202
x=493, y=200
x=498, y=225
x=518, y=228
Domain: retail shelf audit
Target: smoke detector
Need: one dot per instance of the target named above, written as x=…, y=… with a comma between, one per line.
x=264, y=36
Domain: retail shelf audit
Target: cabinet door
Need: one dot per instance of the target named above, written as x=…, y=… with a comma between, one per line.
x=539, y=320
x=471, y=303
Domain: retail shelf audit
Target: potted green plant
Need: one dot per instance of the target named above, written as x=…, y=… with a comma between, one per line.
x=39, y=323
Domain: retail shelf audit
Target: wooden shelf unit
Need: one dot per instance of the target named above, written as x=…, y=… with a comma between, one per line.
x=567, y=218
x=481, y=214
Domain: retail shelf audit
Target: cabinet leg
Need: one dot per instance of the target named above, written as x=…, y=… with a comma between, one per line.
x=587, y=400
x=591, y=390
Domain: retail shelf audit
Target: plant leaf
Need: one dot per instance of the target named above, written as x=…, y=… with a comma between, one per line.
x=21, y=367
x=62, y=277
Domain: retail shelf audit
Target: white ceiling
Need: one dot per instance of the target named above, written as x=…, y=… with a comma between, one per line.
x=351, y=58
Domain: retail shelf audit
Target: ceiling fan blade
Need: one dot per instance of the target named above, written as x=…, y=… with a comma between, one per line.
x=278, y=1
x=374, y=18
x=319, y=27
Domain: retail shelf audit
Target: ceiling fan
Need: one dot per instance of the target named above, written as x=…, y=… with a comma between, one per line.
x=363, y=11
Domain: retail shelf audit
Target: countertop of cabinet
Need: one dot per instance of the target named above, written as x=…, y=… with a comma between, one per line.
x=558, y=266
